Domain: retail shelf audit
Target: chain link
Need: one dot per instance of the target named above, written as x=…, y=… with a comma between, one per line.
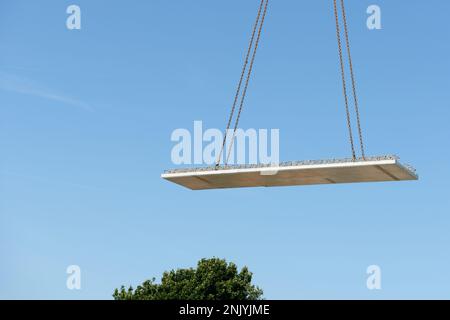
x=244, y=93
x=344, y=84
x=238, y=90
x=260, y=21
x=358, y=118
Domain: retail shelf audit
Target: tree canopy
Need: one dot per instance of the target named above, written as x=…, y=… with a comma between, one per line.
x=213, y=279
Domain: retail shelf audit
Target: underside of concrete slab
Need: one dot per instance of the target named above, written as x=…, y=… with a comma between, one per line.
x=296, y=173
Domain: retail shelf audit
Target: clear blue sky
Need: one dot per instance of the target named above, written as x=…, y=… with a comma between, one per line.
x=86, y=118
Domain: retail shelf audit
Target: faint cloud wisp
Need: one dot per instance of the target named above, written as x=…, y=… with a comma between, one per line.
x=22, y=85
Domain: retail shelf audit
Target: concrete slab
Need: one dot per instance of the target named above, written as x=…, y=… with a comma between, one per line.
x=374, y=169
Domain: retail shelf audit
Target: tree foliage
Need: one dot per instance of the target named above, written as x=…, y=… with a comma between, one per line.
x=213, y=279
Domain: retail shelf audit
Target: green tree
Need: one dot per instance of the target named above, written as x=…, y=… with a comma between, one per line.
x=213, y=279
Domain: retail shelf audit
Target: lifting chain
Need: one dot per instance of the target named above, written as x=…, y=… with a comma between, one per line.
x=344, y=85
x=252, y=45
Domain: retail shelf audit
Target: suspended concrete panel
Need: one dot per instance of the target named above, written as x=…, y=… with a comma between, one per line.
x=297, y=173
